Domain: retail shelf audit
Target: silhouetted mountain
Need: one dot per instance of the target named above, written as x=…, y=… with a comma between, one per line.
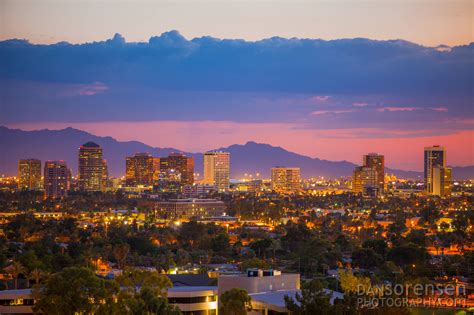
x=64, y=145
x=255, y=157
x=251, y=157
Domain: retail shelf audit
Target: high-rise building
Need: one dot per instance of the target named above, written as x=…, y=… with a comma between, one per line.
x=441, y=181
x=286, y=179
x=217, y=170
x=435, y=156
x=139, y=170
x=56, y=179
x=156, y=169
x=377, y=162
x=365, y=181
x=91, y=167
x=29, y=174
x=369, y=179
x=105, y=175
x=179, y=164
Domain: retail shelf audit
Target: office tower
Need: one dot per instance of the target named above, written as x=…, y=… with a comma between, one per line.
x=286, y=179
x=180, y=165
x=217, y=170
x=156, y=169
x=56, y=179
x=441, y=181
x=434, y=156
x=90, y=167
x=105, y=175
x=365, y=181
x=377, y=162
x=29, y=174
x=139, y=170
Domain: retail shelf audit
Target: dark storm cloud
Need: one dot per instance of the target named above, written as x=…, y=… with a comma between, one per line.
x=349, y=80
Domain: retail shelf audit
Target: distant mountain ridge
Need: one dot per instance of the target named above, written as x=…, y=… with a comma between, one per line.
x=251, y=157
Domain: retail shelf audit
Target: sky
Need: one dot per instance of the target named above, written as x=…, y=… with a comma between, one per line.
x=427, y=22
x=198, y=75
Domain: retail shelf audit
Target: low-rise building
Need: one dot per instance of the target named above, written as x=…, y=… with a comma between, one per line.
x=185, y=209
x=267, y=288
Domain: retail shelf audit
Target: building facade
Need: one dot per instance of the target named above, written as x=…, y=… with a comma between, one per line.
x=56, y=179
x=266, y=288
x=441, y=181
x=184, y=209
x=377, y=162
x=364, y=181
x=105, y=175
x=286, y=179
x=29, y=174
x=434, y=156
x=179, y=164
x=217, y=170
x=91, y=168
x=140, y=170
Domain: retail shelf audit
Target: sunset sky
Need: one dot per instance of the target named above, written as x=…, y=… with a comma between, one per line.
x=224, y=77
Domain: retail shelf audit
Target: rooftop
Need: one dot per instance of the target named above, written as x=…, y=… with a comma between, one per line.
x=90, y=144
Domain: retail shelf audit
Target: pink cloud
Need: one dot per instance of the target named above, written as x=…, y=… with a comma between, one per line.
x=326, y=112
x=360, y=104
x=83, y=89
x=439, y=109
x=397, y=109
x=320, y=98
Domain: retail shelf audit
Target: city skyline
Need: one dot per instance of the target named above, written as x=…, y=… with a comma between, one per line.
x=416, y=157
x=180, y=157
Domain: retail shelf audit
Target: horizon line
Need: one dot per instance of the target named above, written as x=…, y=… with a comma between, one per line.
x=177, y=32
x=241, y=144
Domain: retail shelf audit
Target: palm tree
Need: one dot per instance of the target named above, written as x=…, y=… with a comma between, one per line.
x=35, y=275
x=16, y=268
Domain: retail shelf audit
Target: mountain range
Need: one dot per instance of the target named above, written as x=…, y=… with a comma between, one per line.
x=249, y=158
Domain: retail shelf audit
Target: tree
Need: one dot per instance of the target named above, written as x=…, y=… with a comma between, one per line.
x=352, y=284
x=417, y=237
x=120, y=253
x=407, y=254
x=220, y=243
x=15, y=270
x=144, y=293
x=74, y=290
x=260, y=246
x=147, y=302
x=192, y=233
x=133, y=279
x=253, y=263
x=378, y=245
x=35, y=275
x=366, y=258
x=312, y=300
x=235, y=302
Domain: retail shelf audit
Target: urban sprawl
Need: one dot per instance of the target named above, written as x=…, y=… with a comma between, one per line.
x=163, y=239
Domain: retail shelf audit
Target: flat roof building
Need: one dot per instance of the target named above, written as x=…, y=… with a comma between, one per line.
x=56, y=179
x=178, y=209
x=217, y=170
x=286, y=179
x=29, y=174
